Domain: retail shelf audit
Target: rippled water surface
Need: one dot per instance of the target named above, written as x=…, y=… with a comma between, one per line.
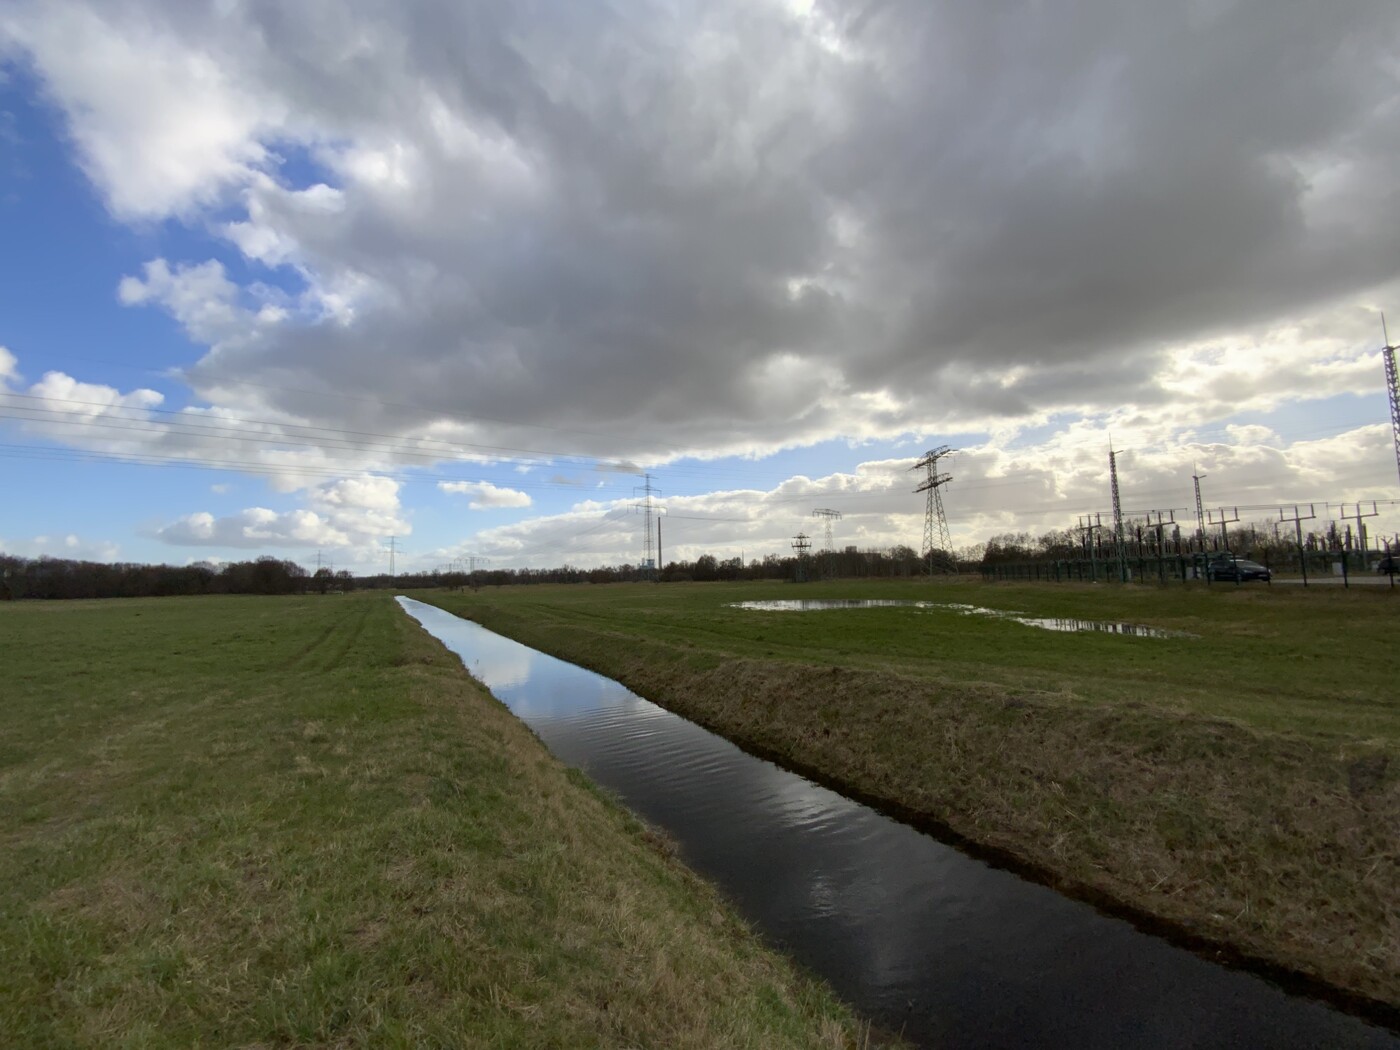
x=1048, y=623
x=917, y=936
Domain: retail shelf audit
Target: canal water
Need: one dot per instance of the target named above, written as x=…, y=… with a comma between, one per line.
x=916, y=936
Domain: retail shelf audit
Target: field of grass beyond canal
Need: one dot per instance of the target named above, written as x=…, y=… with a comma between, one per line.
x=1237, y=784
x=296, y=821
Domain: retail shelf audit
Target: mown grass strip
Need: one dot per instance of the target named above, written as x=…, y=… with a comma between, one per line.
x=296, y=821
x=1241, y=786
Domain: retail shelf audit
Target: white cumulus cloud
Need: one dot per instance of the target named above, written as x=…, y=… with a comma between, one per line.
x=484, y=495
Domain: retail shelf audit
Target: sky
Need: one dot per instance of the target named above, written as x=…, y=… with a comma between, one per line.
x=315, y=279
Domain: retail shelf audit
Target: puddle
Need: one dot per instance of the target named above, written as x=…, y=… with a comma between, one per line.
x=1046, y=623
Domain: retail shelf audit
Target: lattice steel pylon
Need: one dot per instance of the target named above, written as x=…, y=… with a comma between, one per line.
x=648, y=509
x=801, y=545
x=933, y=514
x=1120, y=549
x=829, y=516
x=1388, y=353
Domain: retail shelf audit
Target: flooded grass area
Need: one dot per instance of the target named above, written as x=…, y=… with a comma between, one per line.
x=1057, y=623
x=243, y=821
x=1240, y=787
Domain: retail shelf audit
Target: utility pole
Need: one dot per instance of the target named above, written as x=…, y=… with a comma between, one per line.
x=801, y=544
x=660, y=561
x=1388, y=354
x=1160, y=525
x=1089, y=528
x=1223, y=522
x=1298, y=520
x=1119, y=550
x=932, y=484
x=1360, y=528
x=393, y=549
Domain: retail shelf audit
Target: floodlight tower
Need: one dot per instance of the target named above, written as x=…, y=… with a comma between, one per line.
x=931, y=484
x=1388, y=354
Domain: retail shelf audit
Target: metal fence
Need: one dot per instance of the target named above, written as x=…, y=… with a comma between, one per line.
x=1341, y=567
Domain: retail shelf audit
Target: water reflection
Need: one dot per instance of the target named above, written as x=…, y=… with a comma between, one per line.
x=1135, y=630
x=917, y=936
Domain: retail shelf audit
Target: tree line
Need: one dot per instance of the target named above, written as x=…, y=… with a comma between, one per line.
x=63, y=578
x=59, y=578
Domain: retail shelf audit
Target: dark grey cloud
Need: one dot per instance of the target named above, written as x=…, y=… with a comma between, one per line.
x=662, y=225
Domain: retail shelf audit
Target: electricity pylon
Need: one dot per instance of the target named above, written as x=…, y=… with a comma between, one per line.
x=933, y=514
x=801, y=544
x=829, y=516
x=648, y=509
x=1388, y=353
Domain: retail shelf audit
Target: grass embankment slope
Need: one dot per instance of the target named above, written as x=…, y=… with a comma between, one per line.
x=267, y=821
x=1243, y=786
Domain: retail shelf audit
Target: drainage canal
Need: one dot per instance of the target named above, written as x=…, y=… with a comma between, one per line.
x=916, y=936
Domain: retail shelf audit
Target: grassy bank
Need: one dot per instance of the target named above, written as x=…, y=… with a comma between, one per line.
x=1241, y=785
x=273, y=822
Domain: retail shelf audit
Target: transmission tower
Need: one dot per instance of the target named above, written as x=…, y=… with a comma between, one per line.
x=648, y=509
x=829, y=516
x=932, y=483
x=1388, y=353
x=801, y=544
x=1200, y=513
x=1119, y=549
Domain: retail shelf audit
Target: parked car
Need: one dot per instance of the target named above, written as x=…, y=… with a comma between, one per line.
x=1237, y=570
x=1388, y=564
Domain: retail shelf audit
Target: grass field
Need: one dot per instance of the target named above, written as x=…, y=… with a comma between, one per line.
x=1242, y=786
x=294, y=822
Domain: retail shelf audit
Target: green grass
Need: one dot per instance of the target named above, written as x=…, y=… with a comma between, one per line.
x=294, y=822
x=1241, y=785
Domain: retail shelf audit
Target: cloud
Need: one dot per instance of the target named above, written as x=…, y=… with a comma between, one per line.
x=349, y=513
x=69, y=546
x=255, y=528
x=485, y=496
x=762, y=226
x=587, y=235
x=182, y=128
x=1034, y=489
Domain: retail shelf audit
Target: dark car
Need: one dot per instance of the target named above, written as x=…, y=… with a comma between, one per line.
x=1389, y=564
x=1237, y=570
